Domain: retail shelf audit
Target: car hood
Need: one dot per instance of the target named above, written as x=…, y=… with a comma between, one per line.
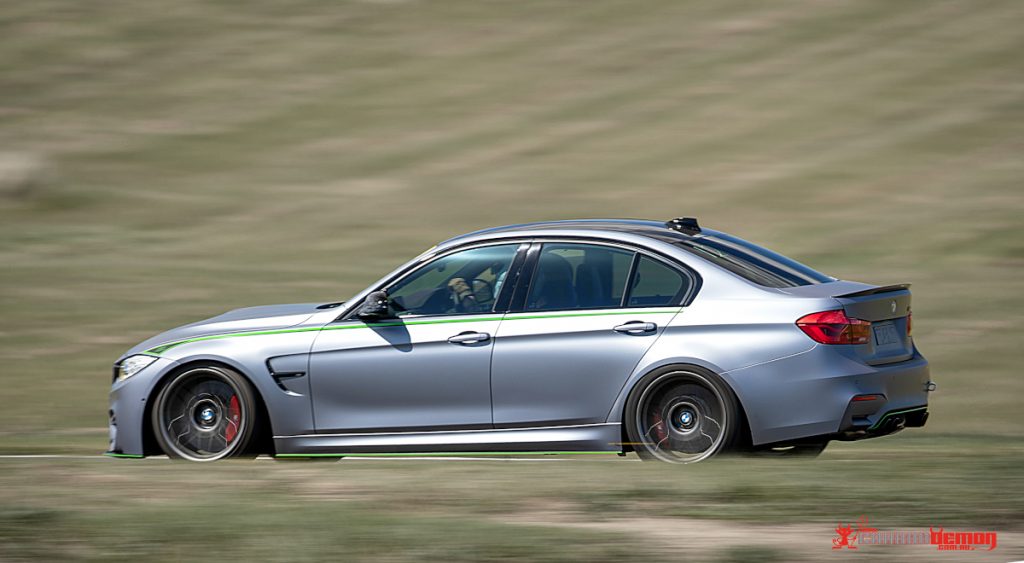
x=267, y=317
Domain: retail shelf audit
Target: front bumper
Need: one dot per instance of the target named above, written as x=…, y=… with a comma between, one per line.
x=127, y=414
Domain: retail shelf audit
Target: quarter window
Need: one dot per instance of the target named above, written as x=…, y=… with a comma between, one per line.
x=656, y=285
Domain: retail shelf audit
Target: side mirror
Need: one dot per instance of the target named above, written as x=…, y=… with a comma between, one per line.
x=374, y=307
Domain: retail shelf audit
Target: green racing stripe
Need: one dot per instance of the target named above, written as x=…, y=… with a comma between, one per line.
x=157, y=350
x=894, y=413
x=403, y=454
x=439, y=454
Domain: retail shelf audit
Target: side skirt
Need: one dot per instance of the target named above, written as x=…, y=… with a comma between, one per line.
x=588, y=438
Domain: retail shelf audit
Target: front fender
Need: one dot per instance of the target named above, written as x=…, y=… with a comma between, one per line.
x=288, y=403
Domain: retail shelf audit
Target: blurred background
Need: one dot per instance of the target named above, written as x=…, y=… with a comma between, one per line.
x=163, y=163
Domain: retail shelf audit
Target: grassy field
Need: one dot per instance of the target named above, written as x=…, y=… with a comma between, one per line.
x=538, y=509
x=162, y=164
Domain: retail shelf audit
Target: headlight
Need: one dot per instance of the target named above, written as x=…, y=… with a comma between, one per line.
x=132, y=365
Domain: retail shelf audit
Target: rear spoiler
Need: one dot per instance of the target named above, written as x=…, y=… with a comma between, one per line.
x=877, y=290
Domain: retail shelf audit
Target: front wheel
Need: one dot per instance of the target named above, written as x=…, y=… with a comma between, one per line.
x=681, y=415
x=205, y=413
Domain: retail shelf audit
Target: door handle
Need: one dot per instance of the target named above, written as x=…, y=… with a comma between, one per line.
x=469, y=337
x=636, y=327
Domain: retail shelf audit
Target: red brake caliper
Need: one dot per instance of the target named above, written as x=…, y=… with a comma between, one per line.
x=659, y=427
x=234, y=415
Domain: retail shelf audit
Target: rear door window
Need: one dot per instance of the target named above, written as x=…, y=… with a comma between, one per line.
x=591, y=276
x=579, y=276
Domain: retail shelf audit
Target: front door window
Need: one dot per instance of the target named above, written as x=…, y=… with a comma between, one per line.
x=460, y=283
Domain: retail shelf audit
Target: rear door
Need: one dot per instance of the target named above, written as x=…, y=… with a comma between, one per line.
x=577, y=330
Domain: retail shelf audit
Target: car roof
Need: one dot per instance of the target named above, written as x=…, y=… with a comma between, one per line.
x=653, y=229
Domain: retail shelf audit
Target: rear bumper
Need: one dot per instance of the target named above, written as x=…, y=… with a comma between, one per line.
x=886, y=422
x=810, y=395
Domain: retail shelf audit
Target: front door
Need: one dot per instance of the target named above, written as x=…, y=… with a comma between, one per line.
x=427, y=368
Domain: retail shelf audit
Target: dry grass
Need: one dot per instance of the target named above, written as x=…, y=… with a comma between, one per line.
x=161, y=165
x=536, y=509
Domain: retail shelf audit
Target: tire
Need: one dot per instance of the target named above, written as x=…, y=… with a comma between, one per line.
x=682, y=414
x=205, y=413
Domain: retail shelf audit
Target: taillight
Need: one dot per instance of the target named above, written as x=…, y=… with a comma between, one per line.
x=834, y=327
x=910, y=322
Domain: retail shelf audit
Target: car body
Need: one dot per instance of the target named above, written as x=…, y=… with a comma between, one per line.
x=544, y=338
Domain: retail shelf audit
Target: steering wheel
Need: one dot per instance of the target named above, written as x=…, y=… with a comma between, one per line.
x=464, y=295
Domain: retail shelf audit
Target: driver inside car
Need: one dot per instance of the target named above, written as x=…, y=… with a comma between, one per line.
x=465, y=296
x=462, y=296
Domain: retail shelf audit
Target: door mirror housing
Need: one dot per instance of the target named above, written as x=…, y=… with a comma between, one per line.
x=374, y=307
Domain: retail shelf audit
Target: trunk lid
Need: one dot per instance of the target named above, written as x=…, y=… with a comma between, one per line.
x=888, y=309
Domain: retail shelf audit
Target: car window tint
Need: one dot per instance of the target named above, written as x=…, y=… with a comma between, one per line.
x=656, y=284
x=578, y=276
x=752, y=262
x=464, y=282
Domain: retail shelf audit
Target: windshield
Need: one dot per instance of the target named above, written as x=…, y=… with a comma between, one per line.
x=751, y=262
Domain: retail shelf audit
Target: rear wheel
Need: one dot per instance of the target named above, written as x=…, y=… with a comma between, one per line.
x=681, y=415
x=205, y=413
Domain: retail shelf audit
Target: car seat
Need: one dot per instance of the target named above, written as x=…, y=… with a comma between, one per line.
x=553, y=284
